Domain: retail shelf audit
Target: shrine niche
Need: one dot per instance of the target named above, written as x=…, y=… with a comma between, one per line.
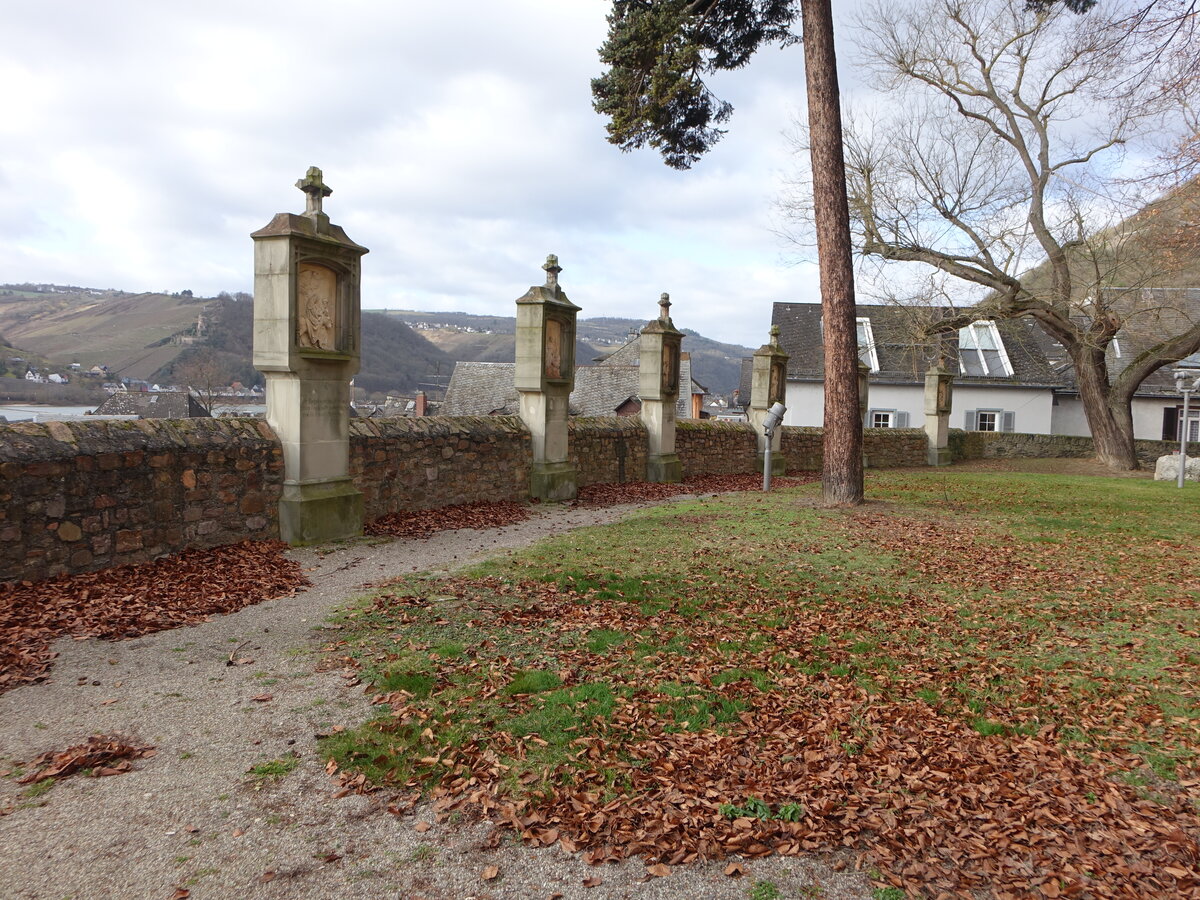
x=775, y=390
x=554, y=348
x=670, y=367
x=316, y=297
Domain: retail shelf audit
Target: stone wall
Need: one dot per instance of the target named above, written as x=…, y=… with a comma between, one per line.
x=79, y=496
x=608, y=449
x=419, y=463
x=802, y=447
x=965, y=445
x=716, y=448
x=883, y=448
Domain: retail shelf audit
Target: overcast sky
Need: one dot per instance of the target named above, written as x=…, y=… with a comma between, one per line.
x=144, y=141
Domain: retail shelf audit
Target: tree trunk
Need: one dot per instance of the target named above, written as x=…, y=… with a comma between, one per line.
x=842, y=475
x=1112, y=434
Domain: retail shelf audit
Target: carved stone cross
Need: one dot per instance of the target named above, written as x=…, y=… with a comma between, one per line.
x=552, y=269
x=315, y=190
x=664, y=307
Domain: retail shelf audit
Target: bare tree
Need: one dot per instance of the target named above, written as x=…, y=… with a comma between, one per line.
x=202, y=373
x=995, y=163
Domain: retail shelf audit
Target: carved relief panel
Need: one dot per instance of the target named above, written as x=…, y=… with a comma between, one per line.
x=316, y=307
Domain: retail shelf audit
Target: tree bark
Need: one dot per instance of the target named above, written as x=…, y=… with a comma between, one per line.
x=842, y=474
x=1112, y=432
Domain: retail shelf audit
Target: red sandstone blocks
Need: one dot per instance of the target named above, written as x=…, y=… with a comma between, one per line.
x=128, y=541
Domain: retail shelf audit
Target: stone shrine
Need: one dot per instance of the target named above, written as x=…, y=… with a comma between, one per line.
x=544, y=378
x=939, y=393
x=768, y=383
x=659, y=389
x=307, y=285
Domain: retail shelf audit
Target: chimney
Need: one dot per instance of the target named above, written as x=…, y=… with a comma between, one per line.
x=420, y=404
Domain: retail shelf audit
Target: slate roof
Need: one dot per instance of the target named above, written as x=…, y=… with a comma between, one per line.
x=903, y=360
x=153, y=405
x=482, y=389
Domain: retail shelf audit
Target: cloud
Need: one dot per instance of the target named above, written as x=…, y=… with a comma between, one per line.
x=145, y=141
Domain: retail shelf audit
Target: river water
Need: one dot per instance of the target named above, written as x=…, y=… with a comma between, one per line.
x=33, y=412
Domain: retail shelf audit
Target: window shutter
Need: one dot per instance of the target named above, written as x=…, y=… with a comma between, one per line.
x=1008, y=421
x=972, y=423
x=902, y=419
x=1171, y=423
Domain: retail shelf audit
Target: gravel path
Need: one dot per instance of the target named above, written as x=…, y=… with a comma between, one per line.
x=190, y=823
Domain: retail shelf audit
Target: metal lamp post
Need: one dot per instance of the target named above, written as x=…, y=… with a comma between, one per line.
x=1185, y=382
x=773, y=420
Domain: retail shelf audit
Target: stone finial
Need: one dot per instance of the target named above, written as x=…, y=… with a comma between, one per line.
x=774, y=335
x=315, y=190
x=552, y=269
x=664, y=307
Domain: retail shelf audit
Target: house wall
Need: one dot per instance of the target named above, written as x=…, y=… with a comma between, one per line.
x=81, y=496
x=806, y=404
x=1147, y=417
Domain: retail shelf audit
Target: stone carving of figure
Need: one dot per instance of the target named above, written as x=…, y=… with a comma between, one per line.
x=317, y=289
x=775, y=390
x=554, y=330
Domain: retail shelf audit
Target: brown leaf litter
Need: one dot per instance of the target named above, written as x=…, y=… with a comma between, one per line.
x=132, y=600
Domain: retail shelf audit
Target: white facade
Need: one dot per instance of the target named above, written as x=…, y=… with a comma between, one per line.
x=1147, y=416
x=1032, y=410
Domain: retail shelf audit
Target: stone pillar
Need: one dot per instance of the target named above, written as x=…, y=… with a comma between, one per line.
x=939, y=388
x=768, y=381
x=307, y=281
x=658, y=371
x=545, y=376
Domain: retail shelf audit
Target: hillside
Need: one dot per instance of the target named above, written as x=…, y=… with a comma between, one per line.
x=149, y=336
x=394, y=357
x=472, y=338
x=124, y=331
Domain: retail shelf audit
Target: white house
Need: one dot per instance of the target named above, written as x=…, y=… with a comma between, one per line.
x=1009, y=376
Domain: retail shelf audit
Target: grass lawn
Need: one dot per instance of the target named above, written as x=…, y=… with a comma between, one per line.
x=977, y=682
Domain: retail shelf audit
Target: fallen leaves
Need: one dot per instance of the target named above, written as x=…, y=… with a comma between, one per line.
x=102, y=754
x=422, y=523
x=490, y=873
x=827, y=692
x=133, y=600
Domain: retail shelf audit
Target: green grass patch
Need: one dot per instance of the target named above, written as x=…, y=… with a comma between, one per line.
x=274, y=769
x=1007, y=602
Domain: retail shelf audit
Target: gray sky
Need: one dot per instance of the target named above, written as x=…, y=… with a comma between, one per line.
x=144, y=141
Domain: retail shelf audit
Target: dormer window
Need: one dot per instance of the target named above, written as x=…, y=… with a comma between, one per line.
x=981, y=352
x=866, y=344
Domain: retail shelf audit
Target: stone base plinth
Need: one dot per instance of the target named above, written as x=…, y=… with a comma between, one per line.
x=666, y=468
x=552, y=481
x=939, y=456
x=778, y=463
x=316, y=512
